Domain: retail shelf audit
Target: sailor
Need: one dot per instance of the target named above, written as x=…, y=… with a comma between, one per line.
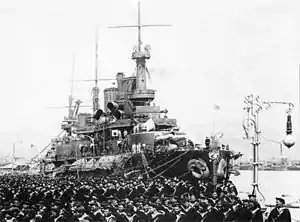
x=152, y=189
x=252, y=197
x=92, y=148
x=256, y=212
x=138, y=148
x=280, y=213
x=130, y=214
x=231, y=187
x=237, y=208
x=213, y=214
x=120, y=213
x=179, y=215
x=207, y=142
x=120, y=192
x=143, y=147
x=156, y=214
x=214, y=197
x=109, y=217
x=228, y=212
x=241, y=210
x=133, y=148
x=81, y=147
x=107, y=150
x=143, y=212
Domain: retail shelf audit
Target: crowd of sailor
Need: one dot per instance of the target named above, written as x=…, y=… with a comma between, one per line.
x=38, y=198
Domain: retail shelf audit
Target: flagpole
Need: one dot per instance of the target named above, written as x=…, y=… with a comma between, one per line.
x=216, y=108
x=299, y=104
x=214, y=124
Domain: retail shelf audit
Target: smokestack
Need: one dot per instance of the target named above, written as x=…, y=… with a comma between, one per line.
x=120, y=77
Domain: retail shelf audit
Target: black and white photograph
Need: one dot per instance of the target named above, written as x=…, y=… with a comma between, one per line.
x=150, y=111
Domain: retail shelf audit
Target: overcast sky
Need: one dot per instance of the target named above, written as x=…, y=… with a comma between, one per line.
x=215, y=52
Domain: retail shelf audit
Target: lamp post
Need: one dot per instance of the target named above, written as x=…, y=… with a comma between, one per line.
x=251, y=126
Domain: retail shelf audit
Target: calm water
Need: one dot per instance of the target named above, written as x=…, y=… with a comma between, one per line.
x=272, y=184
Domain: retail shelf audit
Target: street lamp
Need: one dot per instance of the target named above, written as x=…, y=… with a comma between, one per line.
x=289, y=140
x=251, y=126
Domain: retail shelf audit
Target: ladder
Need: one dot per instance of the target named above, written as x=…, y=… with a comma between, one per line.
x=145, y=163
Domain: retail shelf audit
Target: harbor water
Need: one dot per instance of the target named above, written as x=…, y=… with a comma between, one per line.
x=272, y=184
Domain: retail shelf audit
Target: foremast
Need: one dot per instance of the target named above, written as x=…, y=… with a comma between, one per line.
x=141, y=95
x=140, y=58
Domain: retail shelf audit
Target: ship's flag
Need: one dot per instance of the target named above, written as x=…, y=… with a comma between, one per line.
x=115, y=133
x=216, y=107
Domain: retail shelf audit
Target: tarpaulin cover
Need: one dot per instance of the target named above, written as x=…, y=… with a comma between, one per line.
x=90, y=164
x=78, y=164
x=104, y=162
x=107, y=162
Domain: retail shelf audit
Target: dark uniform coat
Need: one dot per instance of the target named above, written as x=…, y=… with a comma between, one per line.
x=213, y=215
x=279, y=215
x=257, y=216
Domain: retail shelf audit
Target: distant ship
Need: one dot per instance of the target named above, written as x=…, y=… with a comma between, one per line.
x=247, y=166
x=294, y=167
x=280, y=164
x=273, y=166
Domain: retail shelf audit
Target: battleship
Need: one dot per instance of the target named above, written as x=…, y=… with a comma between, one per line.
x=131, y=136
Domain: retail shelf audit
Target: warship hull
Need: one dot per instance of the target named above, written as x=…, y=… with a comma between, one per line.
x=186, y=164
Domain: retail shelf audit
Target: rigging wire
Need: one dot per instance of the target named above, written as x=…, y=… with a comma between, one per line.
x=33, y=158
x=273, y=141
x=177, y=157
x=139, y=165
x=167, y=168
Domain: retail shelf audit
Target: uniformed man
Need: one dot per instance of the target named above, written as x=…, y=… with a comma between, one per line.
x=279, y=213
x=207, y=142
x=257, y=215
